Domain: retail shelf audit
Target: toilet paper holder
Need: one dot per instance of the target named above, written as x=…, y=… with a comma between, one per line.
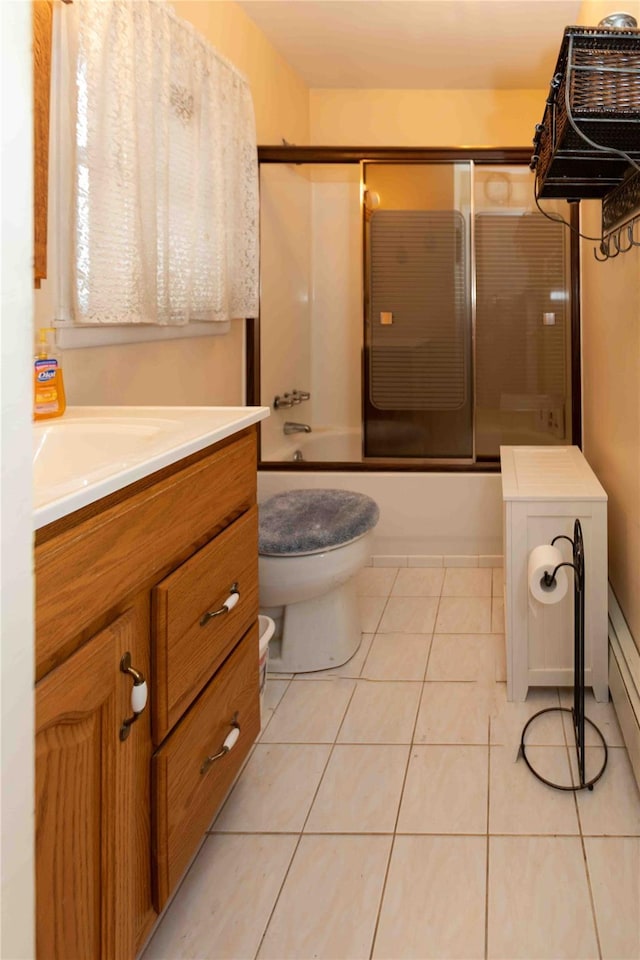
x=577, y=711
x=550, y=578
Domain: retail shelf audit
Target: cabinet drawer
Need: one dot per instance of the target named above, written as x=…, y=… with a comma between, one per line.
x=127, y=544
x=187, y=650
x=185, y=799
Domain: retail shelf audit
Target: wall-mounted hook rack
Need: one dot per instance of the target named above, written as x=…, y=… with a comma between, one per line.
x=620, y=219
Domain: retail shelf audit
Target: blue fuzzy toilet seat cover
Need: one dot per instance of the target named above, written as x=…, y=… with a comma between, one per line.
x=309, y=521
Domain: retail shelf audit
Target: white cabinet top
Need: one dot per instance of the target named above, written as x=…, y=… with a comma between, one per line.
x=548, y=473
x=93, y=451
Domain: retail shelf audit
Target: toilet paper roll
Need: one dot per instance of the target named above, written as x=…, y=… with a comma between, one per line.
x=544, y=559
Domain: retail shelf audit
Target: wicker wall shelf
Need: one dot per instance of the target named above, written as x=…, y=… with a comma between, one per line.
x=593, y=109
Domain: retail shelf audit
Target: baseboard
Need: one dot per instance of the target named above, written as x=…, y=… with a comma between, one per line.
x=435, y=560
x=624, y=681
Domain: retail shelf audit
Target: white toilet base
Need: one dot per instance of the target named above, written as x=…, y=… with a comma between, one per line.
x=309, y=624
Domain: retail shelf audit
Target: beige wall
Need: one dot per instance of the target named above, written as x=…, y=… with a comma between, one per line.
x=280, y=97
x=611, y=403
x=442, y=118
x=611, y=388
x=208, y=370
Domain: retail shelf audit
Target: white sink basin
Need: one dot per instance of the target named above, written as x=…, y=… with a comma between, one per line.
x=74, y=451
x=93, y=451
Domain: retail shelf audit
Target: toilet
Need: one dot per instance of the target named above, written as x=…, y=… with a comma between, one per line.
x=311, y=545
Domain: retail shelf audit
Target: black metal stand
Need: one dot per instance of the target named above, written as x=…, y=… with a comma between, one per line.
x=577, y=711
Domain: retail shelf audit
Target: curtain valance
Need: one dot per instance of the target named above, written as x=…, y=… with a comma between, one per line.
x=156, y=170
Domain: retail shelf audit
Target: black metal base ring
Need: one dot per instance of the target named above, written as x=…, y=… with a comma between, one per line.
x=557, y=786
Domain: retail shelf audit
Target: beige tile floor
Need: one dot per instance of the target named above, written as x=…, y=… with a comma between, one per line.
x=383, y=812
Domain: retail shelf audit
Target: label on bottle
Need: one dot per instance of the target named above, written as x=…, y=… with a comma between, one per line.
x=46, y=385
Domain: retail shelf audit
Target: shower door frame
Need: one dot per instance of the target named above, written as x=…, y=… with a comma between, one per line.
x=463, y=460
x=479, y=156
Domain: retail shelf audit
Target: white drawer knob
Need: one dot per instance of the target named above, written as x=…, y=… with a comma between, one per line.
x=139, y=694
x=228, y=744
x=229, y=604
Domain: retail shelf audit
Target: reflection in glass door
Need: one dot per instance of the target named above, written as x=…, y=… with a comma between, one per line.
x=523, y=335
x=418, y=398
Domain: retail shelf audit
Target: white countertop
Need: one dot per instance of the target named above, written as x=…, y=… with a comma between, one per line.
x=548, y=473
x=91, y=452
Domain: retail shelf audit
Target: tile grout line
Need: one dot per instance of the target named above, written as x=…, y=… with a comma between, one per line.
x=277, y=899
x=435, y=624
x=583, y=847
x=426, y=666
x=592, y=902
x=486, y=879
x=395, y=827
x=284, y=693
x=301, y=833
x=210, y=832
x=384, y=607
x=415, y=833
x=340, y=725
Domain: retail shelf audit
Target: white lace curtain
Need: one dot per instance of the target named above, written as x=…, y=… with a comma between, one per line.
x=157, y=180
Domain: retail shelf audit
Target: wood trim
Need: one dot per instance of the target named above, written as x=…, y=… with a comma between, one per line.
x=404, y=466
x=41, y=24
x=253, y=361
x=480, y=155
x=576, y=338
x=252, y=370
x=282, y=154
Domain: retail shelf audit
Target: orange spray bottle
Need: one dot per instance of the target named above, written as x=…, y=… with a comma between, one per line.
x=48, y=387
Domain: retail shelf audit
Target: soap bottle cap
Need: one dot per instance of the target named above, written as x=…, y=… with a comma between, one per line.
x=45, y=341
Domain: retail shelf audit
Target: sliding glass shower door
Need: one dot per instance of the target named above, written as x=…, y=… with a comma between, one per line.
x=418, y=397
x=522, y=315
x=467, y=340
x=423, y=305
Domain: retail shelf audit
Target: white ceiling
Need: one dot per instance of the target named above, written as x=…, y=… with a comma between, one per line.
x=417, y=44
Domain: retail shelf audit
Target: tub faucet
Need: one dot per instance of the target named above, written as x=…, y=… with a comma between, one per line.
x=296, y=428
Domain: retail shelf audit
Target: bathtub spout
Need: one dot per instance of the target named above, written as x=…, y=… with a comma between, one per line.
x=296, y=428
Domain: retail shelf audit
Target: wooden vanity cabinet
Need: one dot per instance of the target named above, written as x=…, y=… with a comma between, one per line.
x=191, y=771
x=119, y=819
x=85, y=779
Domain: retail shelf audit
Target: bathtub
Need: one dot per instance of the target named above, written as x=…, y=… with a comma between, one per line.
x=424, y=517
x=322, y=445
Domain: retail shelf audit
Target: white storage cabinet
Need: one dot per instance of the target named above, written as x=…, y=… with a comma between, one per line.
x=544, y=490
